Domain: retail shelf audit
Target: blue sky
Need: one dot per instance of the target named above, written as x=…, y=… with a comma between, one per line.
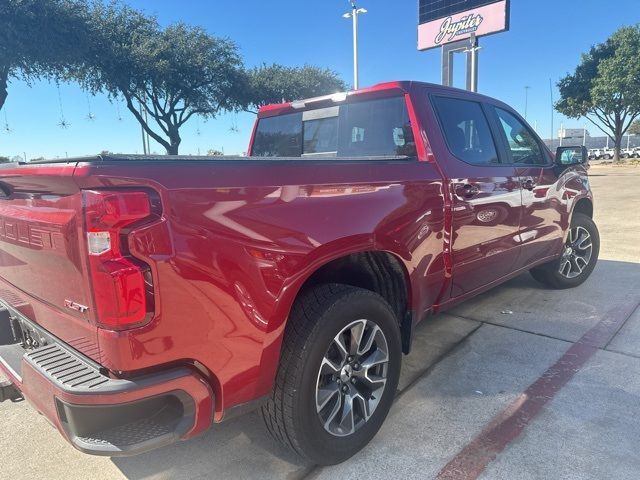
x=545, y=41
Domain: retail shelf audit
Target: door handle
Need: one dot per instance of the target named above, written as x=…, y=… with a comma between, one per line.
x=467, y=190
x=528, y=184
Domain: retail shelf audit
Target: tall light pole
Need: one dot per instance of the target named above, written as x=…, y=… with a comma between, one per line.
x=551, y=99
x=526, y=100
x=353, y=15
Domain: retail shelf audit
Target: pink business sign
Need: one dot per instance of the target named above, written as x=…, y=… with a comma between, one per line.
x=481, y=21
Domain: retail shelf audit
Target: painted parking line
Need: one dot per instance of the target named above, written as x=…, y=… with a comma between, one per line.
x=472, y=460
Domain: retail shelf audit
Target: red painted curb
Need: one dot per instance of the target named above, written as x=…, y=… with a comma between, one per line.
x=472, y=460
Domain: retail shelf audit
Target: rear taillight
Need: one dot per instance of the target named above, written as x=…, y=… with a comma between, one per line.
x=121, y=297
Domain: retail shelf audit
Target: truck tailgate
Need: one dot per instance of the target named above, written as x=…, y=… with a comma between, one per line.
x=43, y=262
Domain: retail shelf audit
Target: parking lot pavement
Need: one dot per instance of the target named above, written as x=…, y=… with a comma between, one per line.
x=616, y=210
x=591, y=430
x=466, y=367
x=628, y=339
x=562, y=314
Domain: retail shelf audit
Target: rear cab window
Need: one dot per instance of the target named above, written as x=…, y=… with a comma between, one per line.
x=379, y=127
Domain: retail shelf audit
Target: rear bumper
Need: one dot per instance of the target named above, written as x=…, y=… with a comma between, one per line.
x=96, y=413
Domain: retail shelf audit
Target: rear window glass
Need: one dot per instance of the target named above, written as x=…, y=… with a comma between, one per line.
x=320, y=135
x=279, y=136
x=369, y=128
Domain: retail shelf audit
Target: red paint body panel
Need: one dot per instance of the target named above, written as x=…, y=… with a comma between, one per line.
x=236, y=240
x=245, y=236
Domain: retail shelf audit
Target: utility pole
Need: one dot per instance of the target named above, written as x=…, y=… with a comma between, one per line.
x=526, y=100
x=353, y=15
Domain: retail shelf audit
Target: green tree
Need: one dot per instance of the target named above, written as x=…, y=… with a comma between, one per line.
x=634, y=128
x=278, y=83
x=40, y=38
x=605, y=87
x=165, y=75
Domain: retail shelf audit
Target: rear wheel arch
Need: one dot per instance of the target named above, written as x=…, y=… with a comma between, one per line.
x=379, y=271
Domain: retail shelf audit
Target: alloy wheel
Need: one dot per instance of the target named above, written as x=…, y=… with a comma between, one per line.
x=577, y=253
x=352, y=377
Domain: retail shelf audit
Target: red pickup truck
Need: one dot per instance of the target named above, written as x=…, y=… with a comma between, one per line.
x=146, y=298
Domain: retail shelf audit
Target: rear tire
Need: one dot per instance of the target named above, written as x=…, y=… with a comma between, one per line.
x=579, y=257
x=298, y=414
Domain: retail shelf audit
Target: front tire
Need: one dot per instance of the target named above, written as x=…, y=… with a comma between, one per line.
x=578, y=259
x=338, y=373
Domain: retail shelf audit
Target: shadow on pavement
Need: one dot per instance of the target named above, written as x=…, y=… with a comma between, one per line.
x=241, y=448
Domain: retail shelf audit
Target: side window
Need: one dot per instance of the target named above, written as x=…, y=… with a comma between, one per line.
x=466, y=130
x=525, y=149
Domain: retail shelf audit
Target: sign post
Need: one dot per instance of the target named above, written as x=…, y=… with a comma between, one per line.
x=472, y=64
x=448, y=52
x=470, y=47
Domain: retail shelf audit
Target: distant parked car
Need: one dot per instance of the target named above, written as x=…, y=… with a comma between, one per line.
x=601, y=153
x=608, y=153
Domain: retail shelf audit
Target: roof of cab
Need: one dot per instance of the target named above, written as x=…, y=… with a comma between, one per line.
x=315, y=102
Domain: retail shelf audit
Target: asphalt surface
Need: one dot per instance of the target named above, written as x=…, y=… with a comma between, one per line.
x=468, y=374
